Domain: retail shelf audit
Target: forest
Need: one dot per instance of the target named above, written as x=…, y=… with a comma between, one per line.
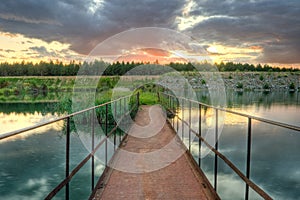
x=97, y=67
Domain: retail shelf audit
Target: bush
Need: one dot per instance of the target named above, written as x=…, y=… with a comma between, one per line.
x=266, y=86
x=261, y=77
x=292, y=86
x=239, y=85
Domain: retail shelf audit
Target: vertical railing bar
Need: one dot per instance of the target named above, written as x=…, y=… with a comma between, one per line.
x=182, y=124
x=216, y=157
x=190, y=124
x=200, y=134
x=169, y=106
x=67, y=194
x=177, y=101
x=173, y=111
x=106, y=131
x=249, y=138
x=93, y=147
x=125, y=108
x=138, y=99
x=115, y=124
x=119, y=117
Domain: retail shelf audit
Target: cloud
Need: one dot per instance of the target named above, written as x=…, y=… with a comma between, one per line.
x=84, y=23
x=43, y=52
x=273, y=25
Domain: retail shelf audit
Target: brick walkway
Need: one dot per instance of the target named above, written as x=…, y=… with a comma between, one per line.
x=159, y=168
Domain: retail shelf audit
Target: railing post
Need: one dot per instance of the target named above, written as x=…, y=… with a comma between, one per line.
x=182, y=124
x=177, y=125
x=67, y=157
x=216, y=156
x=190, y=124
x=106, y=131
x=200, y=134
x=173, y=115
x=138, y=99
x=115, y=124
x=120, y=110
x=249, y=138
x=93, y=147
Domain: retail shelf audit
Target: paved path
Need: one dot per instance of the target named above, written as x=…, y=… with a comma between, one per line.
x=157, y=167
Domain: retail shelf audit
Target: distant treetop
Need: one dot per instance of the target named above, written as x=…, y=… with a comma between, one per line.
x=120, y=68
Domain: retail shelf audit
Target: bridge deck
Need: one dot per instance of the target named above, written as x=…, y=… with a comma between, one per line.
x=158, y=167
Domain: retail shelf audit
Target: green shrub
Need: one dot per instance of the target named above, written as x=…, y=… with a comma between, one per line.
x=292, y=86
x=261, y=77
x=239, y=85
x=266, y=86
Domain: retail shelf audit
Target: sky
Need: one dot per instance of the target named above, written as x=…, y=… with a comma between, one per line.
x=253, y=31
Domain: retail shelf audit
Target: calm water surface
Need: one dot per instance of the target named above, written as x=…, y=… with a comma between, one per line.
x=33, y=163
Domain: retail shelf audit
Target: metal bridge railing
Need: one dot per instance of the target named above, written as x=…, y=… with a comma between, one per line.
x=69, y=175
x=171, y=102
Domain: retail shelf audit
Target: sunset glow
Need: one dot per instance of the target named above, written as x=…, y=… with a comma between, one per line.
x=228, y=31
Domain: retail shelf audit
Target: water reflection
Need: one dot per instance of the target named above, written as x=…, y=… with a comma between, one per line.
x=33, y=165
x=274, y=159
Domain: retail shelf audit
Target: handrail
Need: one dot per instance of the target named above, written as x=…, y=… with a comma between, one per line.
x=68, y=175
x=83, y=162
x=255, y=187
x=281, y=124
x=19, y=131
x=245, y=178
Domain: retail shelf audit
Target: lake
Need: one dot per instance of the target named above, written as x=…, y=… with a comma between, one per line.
x=32, y=164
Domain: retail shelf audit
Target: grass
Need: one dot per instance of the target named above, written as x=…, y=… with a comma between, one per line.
x=148, y=98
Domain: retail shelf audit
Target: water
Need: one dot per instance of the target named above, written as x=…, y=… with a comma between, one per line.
x=33, y=164
x=275, y=151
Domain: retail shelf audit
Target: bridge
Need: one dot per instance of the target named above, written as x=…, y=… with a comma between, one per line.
x=173, y=173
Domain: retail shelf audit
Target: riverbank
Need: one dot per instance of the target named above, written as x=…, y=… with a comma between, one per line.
x=13, y=87
x=247, y=81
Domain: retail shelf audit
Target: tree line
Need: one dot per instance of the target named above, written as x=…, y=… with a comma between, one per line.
x=120, y=68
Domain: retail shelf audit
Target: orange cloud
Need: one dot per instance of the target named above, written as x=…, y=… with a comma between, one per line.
x=256, y=48
x=156, y=52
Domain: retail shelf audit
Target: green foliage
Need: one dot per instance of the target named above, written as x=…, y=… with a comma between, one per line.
x=261, y=77
x=239, y=85
x=148, y=98
x=203, y=82
x=266, y=86
x=100, y=68
x=292, y=86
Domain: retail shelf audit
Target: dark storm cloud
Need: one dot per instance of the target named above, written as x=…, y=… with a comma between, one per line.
x=272, y=24
x=73, y=21
x=42, y=51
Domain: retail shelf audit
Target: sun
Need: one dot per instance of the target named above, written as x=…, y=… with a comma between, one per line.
x=212, y=49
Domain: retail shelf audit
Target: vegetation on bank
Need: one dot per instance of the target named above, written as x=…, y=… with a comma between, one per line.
x=120, y=68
